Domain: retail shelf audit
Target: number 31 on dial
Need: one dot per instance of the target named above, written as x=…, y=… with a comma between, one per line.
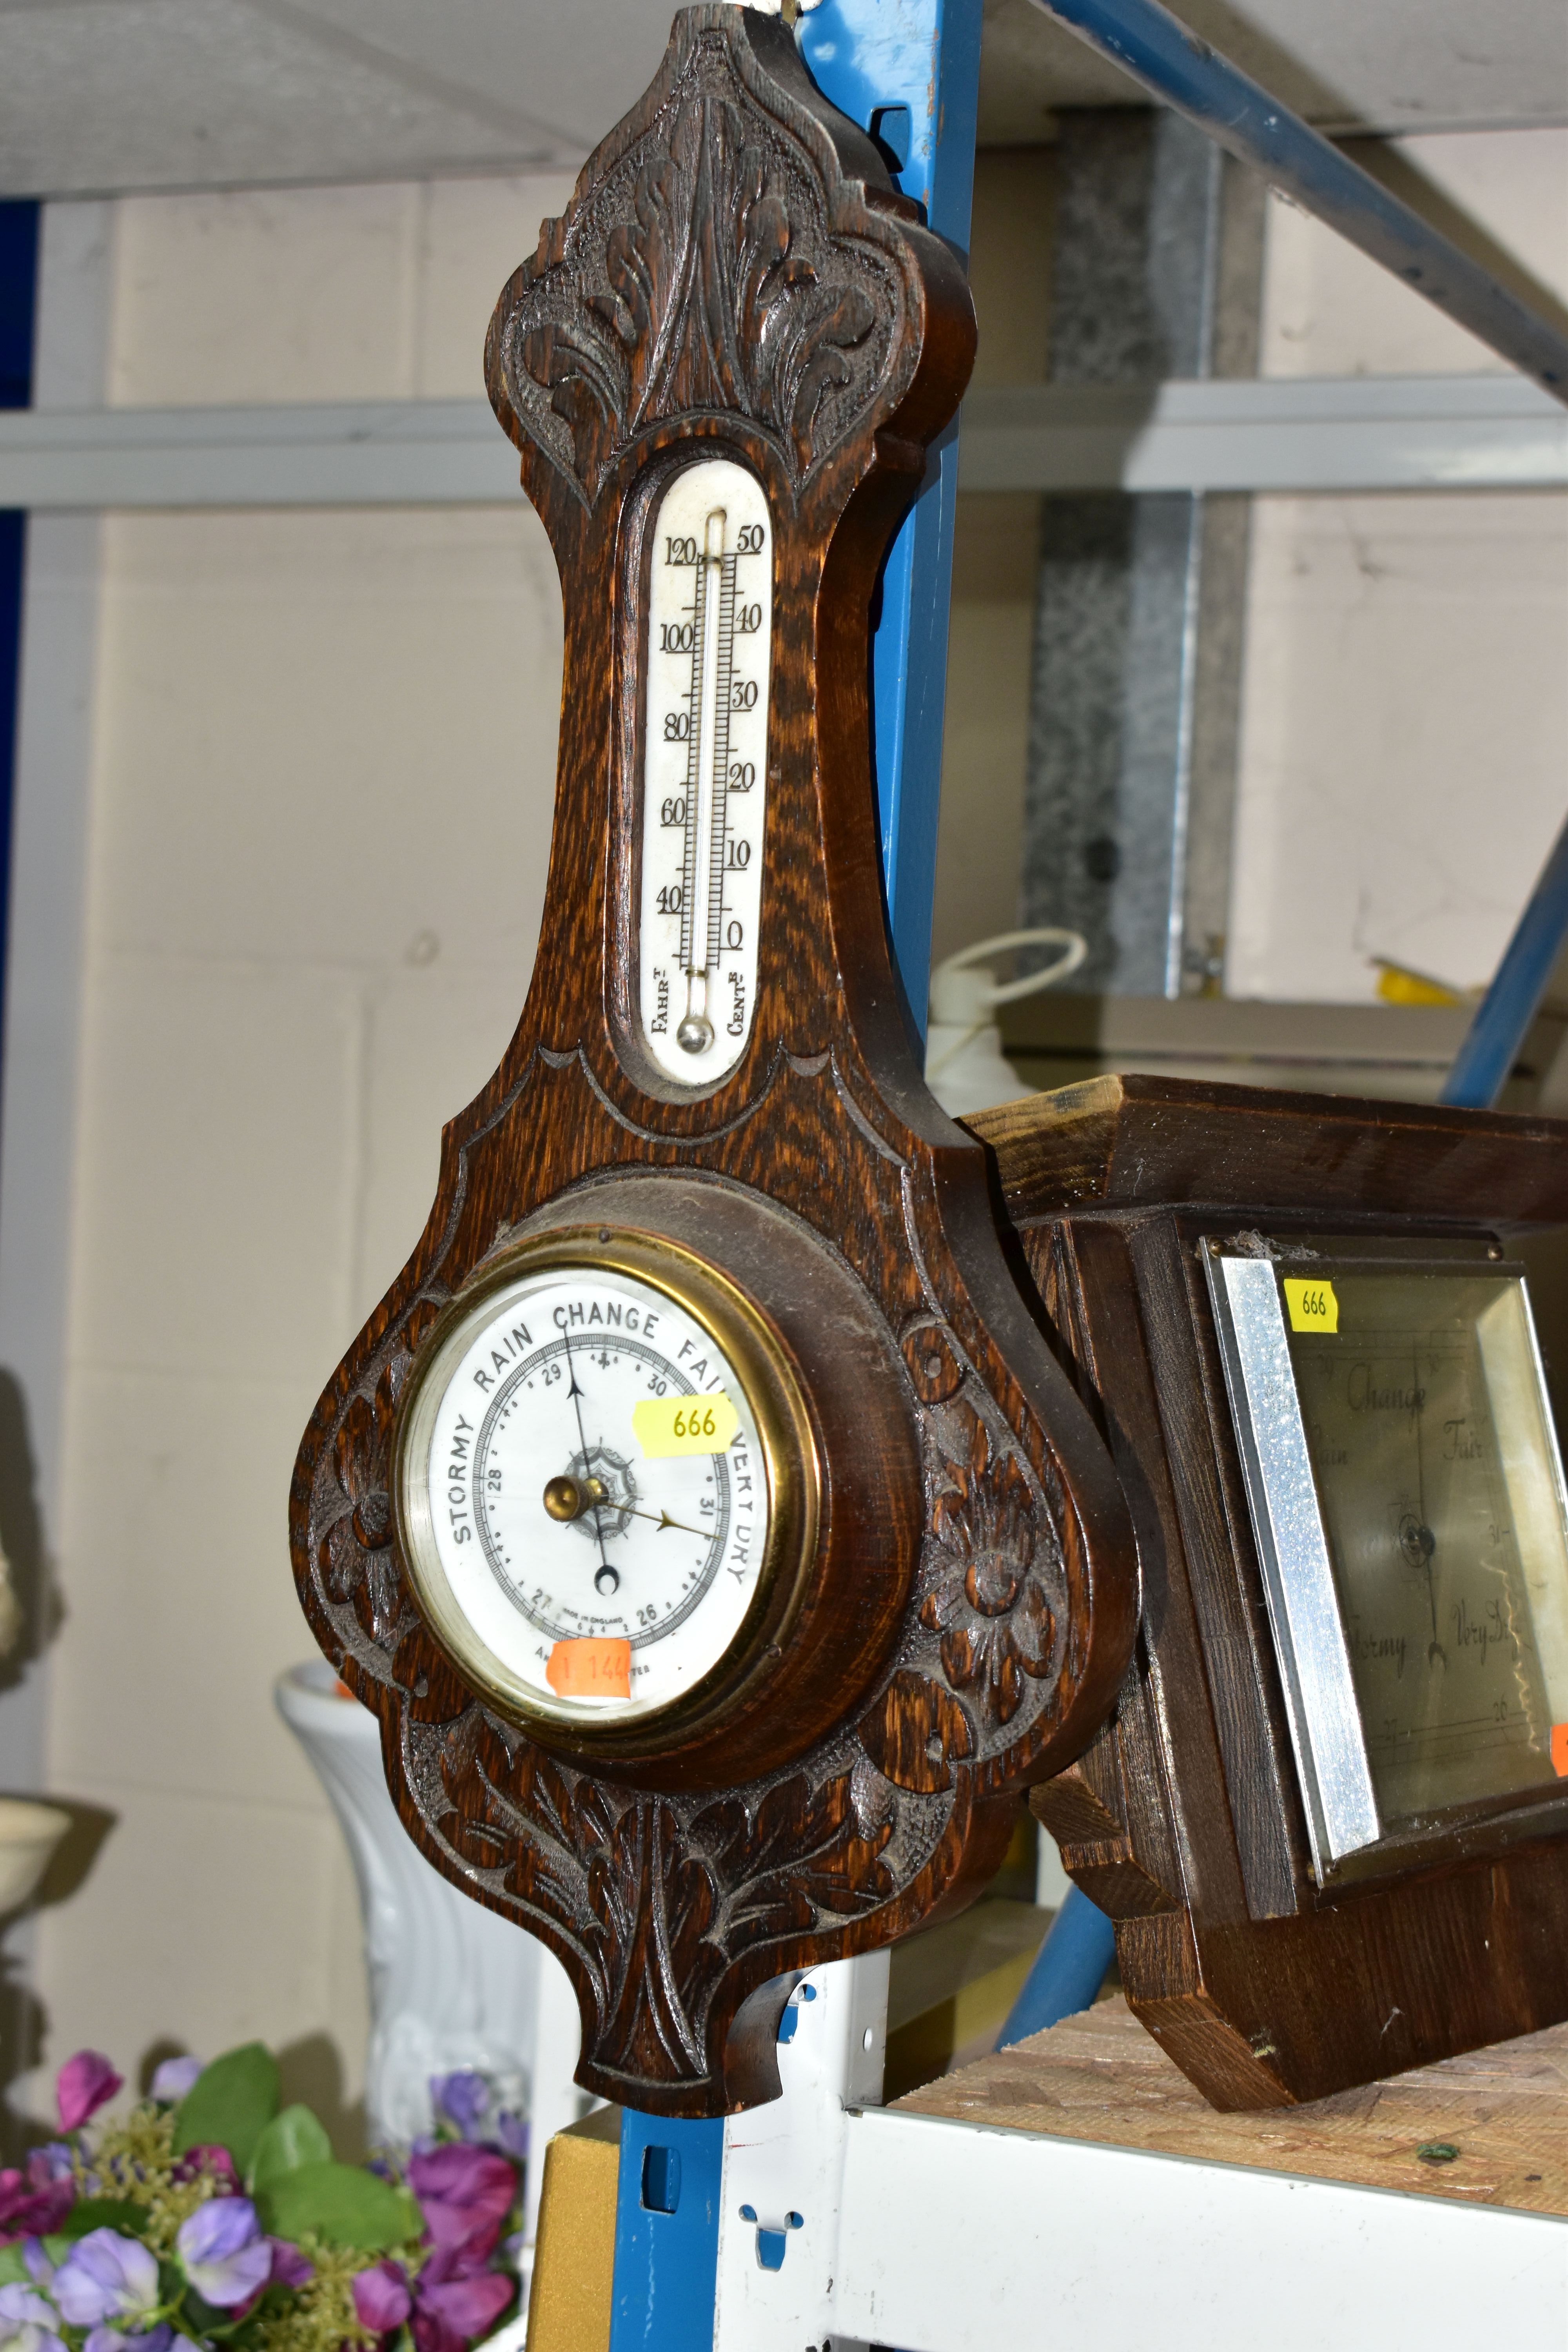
x=705, y=735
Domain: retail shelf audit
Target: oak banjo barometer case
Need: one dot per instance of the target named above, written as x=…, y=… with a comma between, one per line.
x=741, y=1498
x=704, y=1510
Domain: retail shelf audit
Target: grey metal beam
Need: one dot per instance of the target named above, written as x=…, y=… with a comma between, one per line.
x=1294, y=433
x=342, y=453
x=1297, y=434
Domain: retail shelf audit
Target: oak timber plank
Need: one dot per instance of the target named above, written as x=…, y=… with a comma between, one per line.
x=1099, y=2077
x=1122, y=1141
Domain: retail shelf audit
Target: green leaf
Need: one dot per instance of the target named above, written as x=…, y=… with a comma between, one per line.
x=291, y=2139
x=104, y=2213
x=230, y=2104
x=12, y=2264
x=340, y=2203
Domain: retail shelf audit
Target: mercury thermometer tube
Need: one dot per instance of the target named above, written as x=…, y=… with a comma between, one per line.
x=712, y=659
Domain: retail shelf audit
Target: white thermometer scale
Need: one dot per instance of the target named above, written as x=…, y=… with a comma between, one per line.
x=710, y=633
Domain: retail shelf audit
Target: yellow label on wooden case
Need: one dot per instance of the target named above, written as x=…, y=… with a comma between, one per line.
x=1309, y=1302
x=685, y=1425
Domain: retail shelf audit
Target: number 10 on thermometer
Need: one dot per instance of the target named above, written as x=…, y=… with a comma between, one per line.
x=705, y=736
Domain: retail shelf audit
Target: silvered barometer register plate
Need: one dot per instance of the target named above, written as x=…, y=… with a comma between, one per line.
x=1407, y=1497
x=588, y=1478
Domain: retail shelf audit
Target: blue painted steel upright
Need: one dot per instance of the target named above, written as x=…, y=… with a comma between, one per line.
x=1068, y=1970
x=19, y=285
x=1505, y=1013
x=666, y=2234
x=873, y=57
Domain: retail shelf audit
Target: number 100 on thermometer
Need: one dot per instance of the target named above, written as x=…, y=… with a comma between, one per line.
x=709, y=633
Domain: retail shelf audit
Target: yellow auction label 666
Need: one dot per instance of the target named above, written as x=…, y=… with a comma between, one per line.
x=684, y=1425
x=1310, y=1303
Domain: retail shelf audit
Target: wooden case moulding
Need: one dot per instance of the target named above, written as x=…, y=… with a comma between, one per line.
x=736, y=276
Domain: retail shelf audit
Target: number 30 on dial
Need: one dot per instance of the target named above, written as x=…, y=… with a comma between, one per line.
x=705, y=733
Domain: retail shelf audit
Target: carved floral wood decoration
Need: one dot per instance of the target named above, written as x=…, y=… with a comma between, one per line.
x=735, y=267
x=706, y=269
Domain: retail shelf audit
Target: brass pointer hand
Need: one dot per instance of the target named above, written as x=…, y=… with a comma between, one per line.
x=573, y=1498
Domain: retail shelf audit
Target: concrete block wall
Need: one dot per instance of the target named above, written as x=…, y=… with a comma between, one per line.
x=323, y=765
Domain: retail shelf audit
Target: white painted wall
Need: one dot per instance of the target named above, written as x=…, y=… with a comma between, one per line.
x=1403, y=767
x=321, y=770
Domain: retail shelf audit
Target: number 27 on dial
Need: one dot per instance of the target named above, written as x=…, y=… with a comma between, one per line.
x=705, y=735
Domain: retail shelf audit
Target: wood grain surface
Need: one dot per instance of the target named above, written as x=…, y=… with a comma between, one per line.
x=1117, y=1140
x=736, y=276
x=1488, y=2128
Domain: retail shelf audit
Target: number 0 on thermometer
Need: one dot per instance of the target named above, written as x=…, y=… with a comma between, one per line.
x=709, y=632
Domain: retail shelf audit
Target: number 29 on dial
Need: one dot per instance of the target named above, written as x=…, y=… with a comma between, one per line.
x=704, y=784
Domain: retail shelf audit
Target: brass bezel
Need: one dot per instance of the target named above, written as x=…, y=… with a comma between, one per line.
x=791, y=1458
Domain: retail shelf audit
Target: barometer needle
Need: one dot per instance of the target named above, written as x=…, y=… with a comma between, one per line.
x=663, y=1520
x=575, y=1393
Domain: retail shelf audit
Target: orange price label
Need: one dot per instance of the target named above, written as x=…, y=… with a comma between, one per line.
x=593, y=1668
x=1560, y=1750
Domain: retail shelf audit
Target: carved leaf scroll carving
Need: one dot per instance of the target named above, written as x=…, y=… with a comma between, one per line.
x=702, y=274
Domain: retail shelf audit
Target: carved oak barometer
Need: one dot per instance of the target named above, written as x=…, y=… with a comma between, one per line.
x=706, y=1511
x=703, y=1510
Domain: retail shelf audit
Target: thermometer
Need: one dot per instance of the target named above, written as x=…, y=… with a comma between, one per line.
x=705, y=733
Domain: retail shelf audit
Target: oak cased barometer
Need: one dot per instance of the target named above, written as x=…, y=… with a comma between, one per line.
x=703, y=1510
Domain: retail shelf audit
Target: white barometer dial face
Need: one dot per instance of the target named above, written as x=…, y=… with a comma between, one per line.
x=704, y=784
x=585, y=1495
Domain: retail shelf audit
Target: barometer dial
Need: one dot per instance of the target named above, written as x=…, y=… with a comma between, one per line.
x=1438, y=1479
x=587, y=1490
x=708, y=622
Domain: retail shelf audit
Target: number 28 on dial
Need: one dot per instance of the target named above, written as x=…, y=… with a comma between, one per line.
x=705, y=732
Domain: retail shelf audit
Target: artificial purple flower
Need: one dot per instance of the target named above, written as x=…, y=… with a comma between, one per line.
x=456, y=2301
x=173, y=2078
x=465, y=2194
x=35, y=2203
x=106, y=2276
x=28, y=2324
x=146, y=2339
x=463, y=2098
x=226, y=2257
x=382, y=2300
x=289, y=2267
x=82, y=2085
x=510, y=2136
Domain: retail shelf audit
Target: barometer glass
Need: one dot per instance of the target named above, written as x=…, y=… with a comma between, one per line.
x=583, y=1493
x=706, y=656
x=1407, y=1490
